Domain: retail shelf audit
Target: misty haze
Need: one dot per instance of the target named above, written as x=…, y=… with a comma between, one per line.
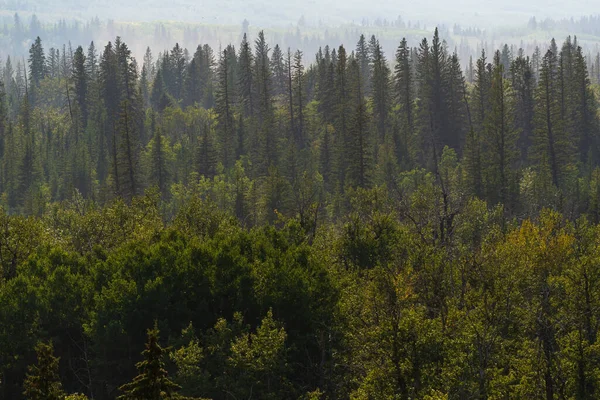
x=304, y=200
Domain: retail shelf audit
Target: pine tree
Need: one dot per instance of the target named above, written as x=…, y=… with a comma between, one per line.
x=481, y=92
x=290, y=91
x=246, y=78
x=325, y=91
x=37, y=63
x=42, y=381
x=29, y=172
x=225, y=111
x=380, y=89
x=523, y=82
x=146, y=76
x=455, y=105
x=299, y=96
x=500, y=137
x=92, y=62
x=363, y=55
x=279, y=74
x=206, y=159
x=553, y=145
x=404, y=94
x=159, y=173
x=129, y=126
x=359, y=144
x=583, y=106
x=342, y=112
x=178, y=67
x=266, y=143
x=153, y=382
x=80, y=80
x=193, y=88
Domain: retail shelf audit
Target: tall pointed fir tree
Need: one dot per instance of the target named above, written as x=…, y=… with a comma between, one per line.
x=553, y=146
x=404, y=94
x=298, y=78
x=206, y=157
x=363, y=55
x=342, y=112
x=523, y=84
x=80, y=81
x=380, y=89
x=359, y=146
x=266, y=140
x=224, y=108
x=42, y=381
x=278, y=67
x=246, y=79
x=499, y=140
x=159, y=172
x=152, y=382
x=130, y=125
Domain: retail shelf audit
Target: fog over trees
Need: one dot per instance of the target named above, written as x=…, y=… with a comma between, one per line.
x=299, y=201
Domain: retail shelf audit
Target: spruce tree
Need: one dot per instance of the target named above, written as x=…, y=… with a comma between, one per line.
x=42, y=381
x=224, y=109
x=299, y=99
x=523, y=84
x=266, y=143
x=152, y=382
x=80, y=80
x=159, y=173
x=363, y=55
x=499, y=141
x=206, y=157
x=37, y=63
x=246, y=78
x=404, y=94
x=359, y=144
x=380, y=89
x=279, y=75
x=553, y=149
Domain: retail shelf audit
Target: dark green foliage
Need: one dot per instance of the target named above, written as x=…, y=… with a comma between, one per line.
x=42, y=381
x=300, y=230
x=153, y=382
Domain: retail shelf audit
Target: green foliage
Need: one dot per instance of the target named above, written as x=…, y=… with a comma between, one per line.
x=42, y=381
x=300, y=230
x=153, y=382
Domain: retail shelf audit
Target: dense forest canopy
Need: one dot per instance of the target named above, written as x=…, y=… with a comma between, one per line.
x=251, y=220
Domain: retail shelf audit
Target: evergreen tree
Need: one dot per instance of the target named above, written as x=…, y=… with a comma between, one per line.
x=153, y=382
x=553, y=145
x=37, y=63
x=246, y=79
x=160, y=173
x=178, y=68
x=80, y=80
x=404, y=94
x=499, y=152
x=224, y=108
x=359, y=145
x=299, y=95
x=42, y=381
x=380, y=89
x=206, y=159
x=363, y=55
x=523, y=83
x=279, y=74
x=266, y=143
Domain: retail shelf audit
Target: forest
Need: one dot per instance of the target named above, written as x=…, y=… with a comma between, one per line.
x=252, y=222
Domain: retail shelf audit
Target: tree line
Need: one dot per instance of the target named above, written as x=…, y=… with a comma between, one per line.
x=247, y=225
x=261, y=131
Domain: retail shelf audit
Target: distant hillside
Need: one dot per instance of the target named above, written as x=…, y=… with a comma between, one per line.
x=284, y=12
